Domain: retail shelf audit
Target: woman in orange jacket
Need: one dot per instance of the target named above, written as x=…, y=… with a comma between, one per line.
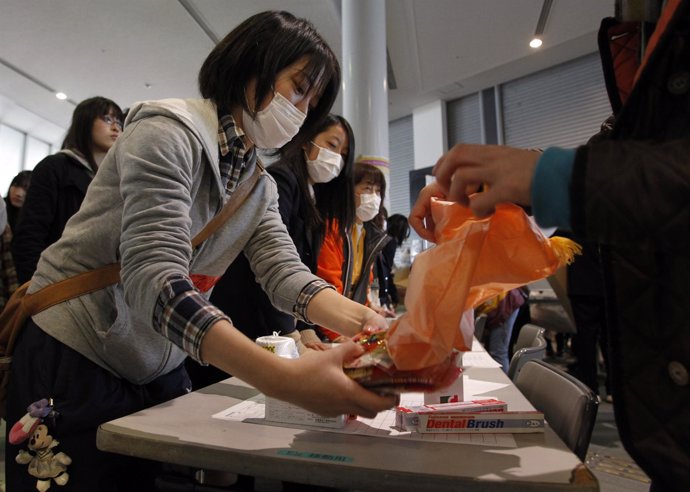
x=346, y=260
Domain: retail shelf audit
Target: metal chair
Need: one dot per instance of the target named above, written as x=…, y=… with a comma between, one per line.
x=528, y=336
x=530, y=345
x=479, y=325
x=569, y=406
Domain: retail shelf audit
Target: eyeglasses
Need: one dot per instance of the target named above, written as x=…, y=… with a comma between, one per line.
x=109, y=120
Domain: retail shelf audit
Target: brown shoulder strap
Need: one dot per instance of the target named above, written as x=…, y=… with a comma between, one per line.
x=94, y=280
x=236, y=199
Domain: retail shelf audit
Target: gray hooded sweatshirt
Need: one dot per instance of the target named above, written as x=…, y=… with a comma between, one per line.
x=156, y=188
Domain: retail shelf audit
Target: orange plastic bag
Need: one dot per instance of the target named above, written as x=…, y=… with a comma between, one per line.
x=474, y=260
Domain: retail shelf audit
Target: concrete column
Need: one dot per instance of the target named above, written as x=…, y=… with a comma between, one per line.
x=365, y=85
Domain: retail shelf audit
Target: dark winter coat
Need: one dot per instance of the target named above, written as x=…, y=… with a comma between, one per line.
x=631, y=193
x=238, y=294
x=58, y=186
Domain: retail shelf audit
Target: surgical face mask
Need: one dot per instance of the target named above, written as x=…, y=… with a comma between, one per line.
x=325, y=167
x=369, y=204
x=275, y=125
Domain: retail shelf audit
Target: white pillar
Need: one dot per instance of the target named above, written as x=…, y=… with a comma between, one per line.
x=365, y=85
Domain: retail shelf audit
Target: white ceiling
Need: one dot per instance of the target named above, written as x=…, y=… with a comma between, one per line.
x=129, y=50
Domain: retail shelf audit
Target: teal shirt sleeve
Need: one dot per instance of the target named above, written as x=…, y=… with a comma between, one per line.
x=551, y=188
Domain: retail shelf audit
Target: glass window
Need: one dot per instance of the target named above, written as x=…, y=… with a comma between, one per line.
x=11, y=151
x=36, y=150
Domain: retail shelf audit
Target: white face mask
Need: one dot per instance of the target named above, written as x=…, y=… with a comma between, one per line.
x=325, y=167
x=275, y=125
x=369, y=204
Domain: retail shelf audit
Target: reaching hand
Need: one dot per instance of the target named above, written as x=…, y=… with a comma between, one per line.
x=420, y=215
x=385, y=311
x=320, y=346
x=316, y=381
x=505, y=172
x=374, y=322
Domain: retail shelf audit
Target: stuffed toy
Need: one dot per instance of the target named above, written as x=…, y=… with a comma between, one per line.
x=44, y=463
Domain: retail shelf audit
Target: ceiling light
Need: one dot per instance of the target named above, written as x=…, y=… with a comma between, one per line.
x=541, y=24
x=61, y=96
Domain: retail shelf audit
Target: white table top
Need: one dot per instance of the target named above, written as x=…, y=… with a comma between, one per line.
x=182, y=431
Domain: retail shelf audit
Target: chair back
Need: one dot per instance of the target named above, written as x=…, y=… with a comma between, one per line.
x=528, y=336
x=479, y=325
x=569, y=406
x=536, y=350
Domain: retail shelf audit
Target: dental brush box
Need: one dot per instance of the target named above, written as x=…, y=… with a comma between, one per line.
x=451, y=394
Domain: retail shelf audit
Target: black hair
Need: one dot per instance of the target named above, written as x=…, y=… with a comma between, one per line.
x=333, y=200
x=398, y=228
x=79, y=136
x=336, y=199
x=23, y=180
x=259, y=48
x=372, y=174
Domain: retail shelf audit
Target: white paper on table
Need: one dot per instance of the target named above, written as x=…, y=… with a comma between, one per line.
x=478, y=359
x=252, y=411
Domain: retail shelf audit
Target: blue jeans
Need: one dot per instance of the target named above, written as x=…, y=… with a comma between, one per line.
x=499, y=341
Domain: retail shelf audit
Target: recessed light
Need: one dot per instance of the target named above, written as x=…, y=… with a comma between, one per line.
x=61, y=96
x=541, y=24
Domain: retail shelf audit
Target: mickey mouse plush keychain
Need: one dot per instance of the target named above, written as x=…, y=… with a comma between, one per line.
x=43, y=463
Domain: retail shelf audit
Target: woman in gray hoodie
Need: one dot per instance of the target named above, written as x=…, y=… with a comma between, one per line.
x=120, y=349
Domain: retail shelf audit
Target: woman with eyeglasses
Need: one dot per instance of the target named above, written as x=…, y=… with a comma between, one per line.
x=59, y=182
x=177, y=165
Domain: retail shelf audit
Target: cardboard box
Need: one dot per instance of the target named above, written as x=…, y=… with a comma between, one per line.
x=287, y=413
x=488, y=423
x=408, y=417
x=451, y=394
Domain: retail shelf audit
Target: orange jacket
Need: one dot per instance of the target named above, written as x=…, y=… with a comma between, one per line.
x=335, y=263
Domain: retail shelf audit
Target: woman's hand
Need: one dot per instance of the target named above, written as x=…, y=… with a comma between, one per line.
x=420, y=216
x=321, y=346
x=316, y=382
x=342, y=315
x=384, y=311
x=373, y=321
x=312, y=341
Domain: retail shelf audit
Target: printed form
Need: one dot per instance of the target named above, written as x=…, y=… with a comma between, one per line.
x=383, y=425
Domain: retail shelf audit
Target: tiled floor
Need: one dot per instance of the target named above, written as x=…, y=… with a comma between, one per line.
x=607, y=459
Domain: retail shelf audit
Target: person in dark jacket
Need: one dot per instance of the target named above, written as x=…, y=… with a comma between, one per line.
x=59, y=181
x=314, y=185
x=16, y=196
x=11, y=207
x=628, y=192
x=398, y=229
